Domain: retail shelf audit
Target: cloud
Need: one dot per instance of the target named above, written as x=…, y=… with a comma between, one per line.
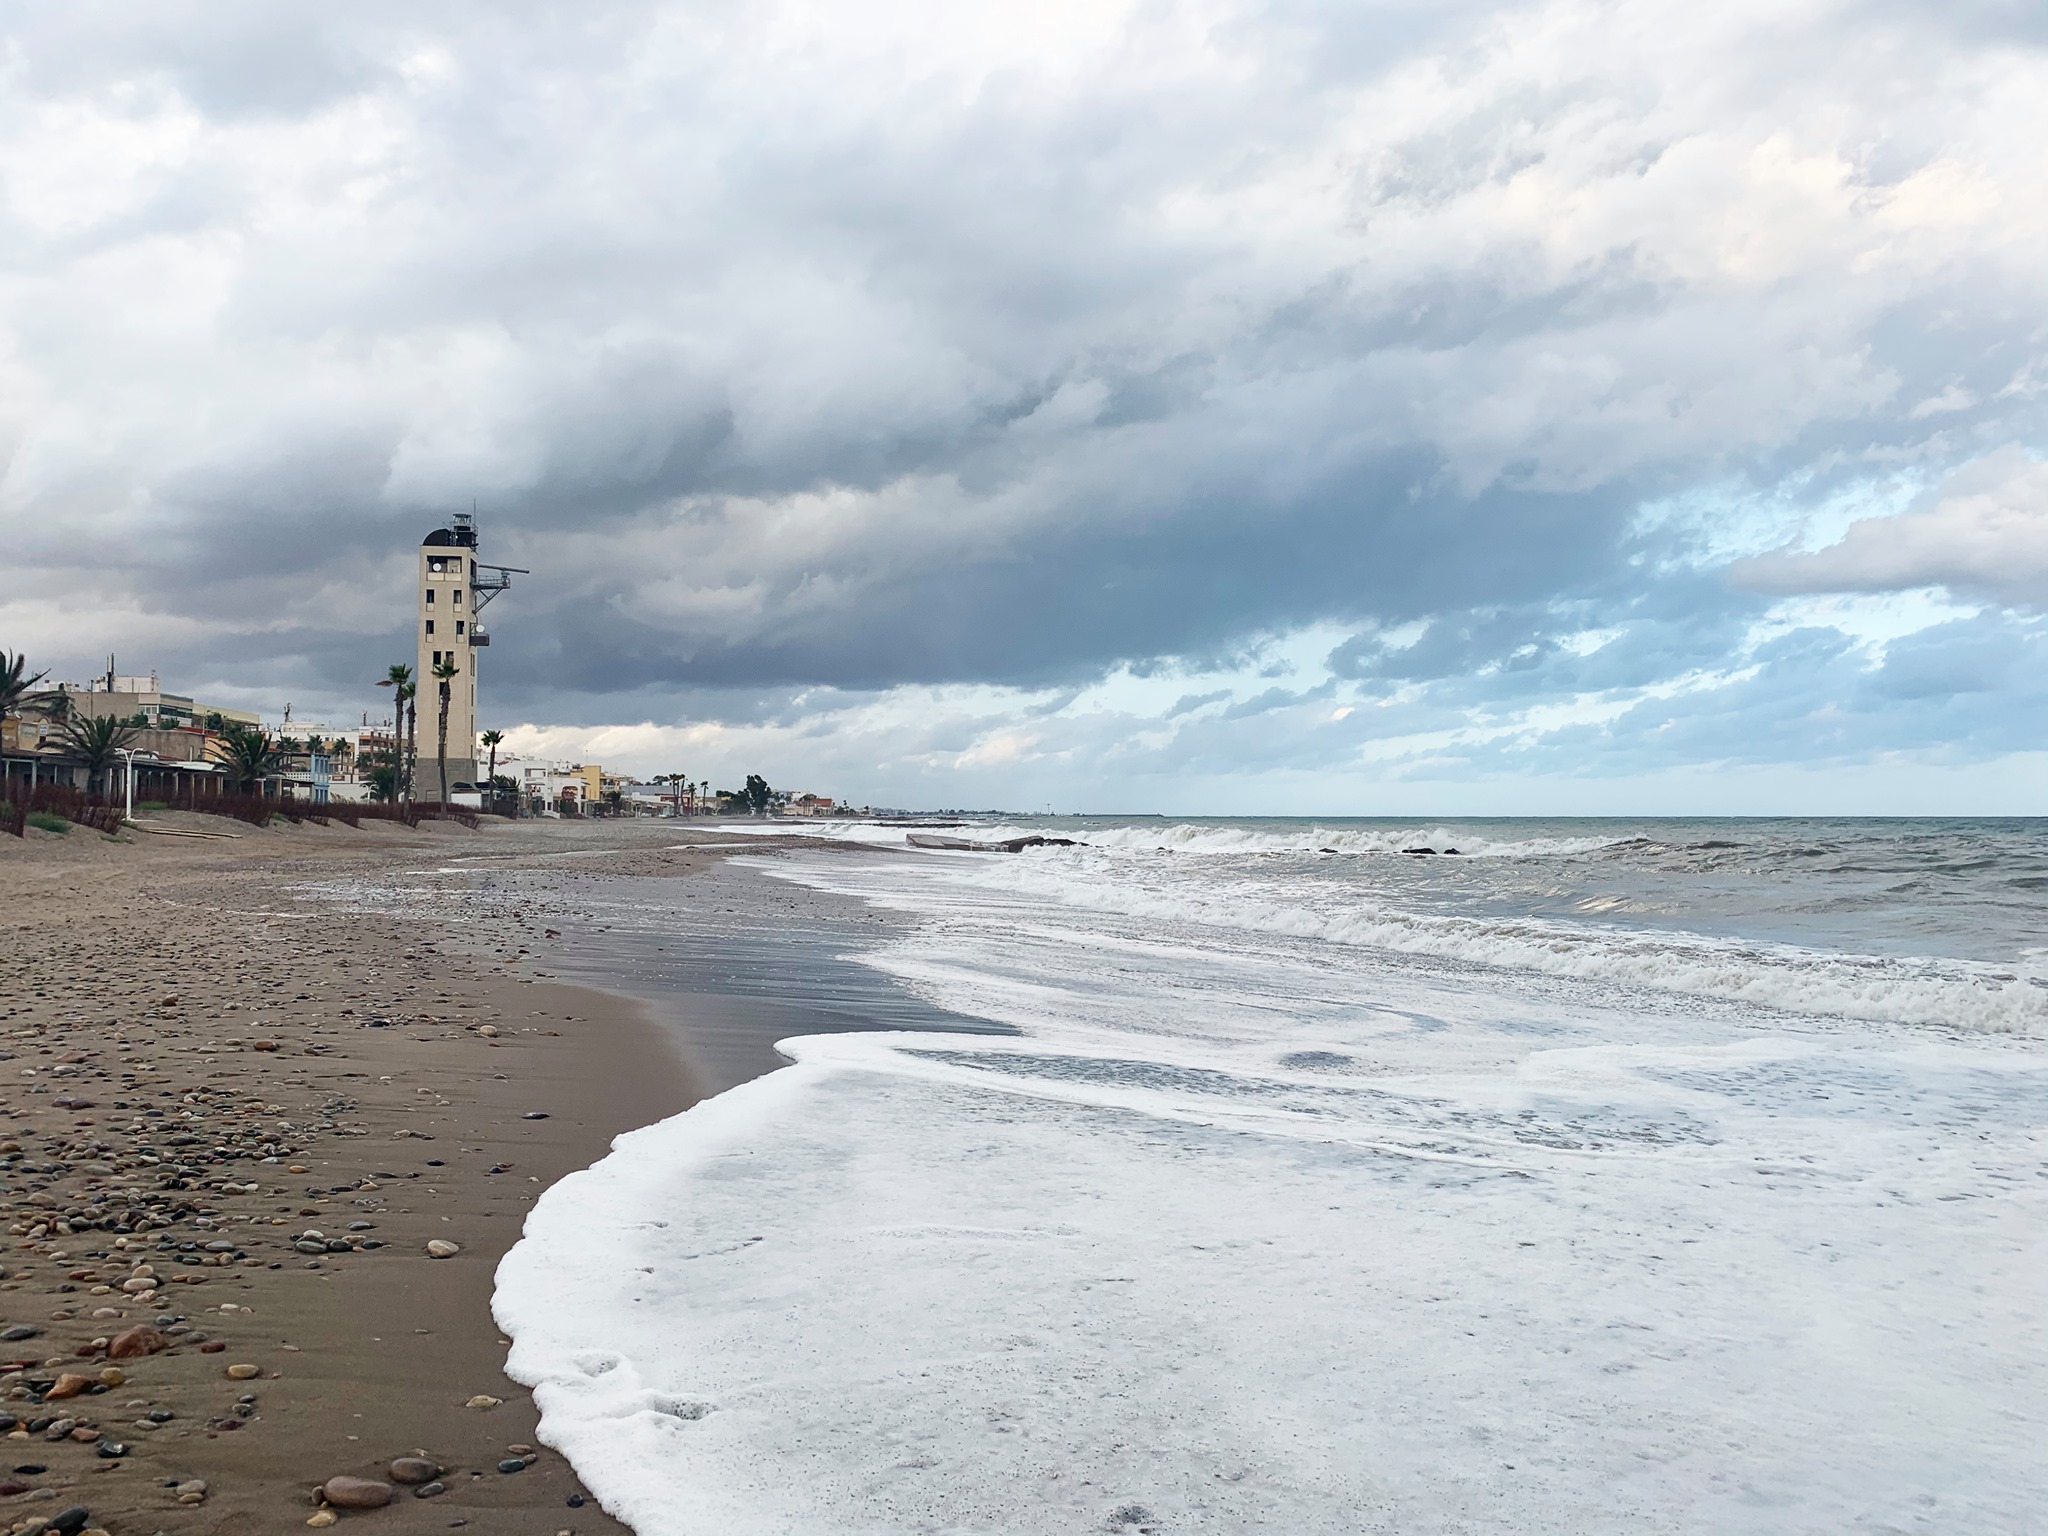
x=1983, y=532
x=823, y=362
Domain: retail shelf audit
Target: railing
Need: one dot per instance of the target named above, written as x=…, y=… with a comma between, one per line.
x=74, y=805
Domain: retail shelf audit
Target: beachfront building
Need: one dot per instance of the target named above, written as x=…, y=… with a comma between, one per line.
x=564, y=789
x=446, y=616
x=454, y=586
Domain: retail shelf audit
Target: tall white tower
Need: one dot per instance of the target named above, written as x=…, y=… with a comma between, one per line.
x=453, y=590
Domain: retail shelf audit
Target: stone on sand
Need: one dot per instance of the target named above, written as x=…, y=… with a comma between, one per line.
x=355, y=1492
x=131, y=1343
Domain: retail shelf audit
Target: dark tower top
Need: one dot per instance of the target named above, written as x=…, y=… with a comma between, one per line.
x=462, y=535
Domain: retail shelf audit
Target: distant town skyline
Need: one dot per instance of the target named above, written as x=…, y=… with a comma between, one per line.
x=1315, y=408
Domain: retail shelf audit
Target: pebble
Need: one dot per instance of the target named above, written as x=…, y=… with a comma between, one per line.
x=441, y=1248
x=69, y=1522
x=139, y=1340
x=113, y=1376
x=244, y=1372
x=430, y=1490
x=322, y=1517
x=111, y=1450
x=191, y=1492
x=537, y=1114
x=355, y=1493
x=483, y=1400
x=577, y=1501
x=414, y=1469
x=512, y=1464
x=213, y=1347
x=70, y=1384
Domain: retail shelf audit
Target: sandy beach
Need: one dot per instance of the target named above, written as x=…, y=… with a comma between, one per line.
x=235, y=1119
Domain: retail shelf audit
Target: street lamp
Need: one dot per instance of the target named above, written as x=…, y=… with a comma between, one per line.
x=129, y=753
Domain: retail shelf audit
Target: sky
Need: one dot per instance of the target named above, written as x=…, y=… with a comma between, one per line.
x=1378, y=407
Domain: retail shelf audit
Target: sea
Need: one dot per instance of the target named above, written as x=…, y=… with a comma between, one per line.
x=1349, y=1175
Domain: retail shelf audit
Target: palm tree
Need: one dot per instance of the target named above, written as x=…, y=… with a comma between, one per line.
x=399, y=680
x=252, y=757
x=445, y=674
x=492, y=739
x=98, y=743
x=409, y=696
x=16, y=686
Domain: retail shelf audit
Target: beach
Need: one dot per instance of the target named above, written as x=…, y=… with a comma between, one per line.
x=172, y=1008
x=1202, y=1177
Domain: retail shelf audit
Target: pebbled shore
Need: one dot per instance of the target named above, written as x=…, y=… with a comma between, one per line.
x=233, y=1120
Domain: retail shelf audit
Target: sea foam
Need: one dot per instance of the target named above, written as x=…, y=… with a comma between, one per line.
x=1302, y=1236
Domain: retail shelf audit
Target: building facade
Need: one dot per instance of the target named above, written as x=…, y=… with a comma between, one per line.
x=447, y=622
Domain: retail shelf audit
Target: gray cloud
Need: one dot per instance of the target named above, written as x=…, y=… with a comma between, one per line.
x=806, y=357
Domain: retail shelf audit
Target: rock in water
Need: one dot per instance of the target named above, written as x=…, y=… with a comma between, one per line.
x=355, y=1493
x=132, y=1342
x=414, y=1469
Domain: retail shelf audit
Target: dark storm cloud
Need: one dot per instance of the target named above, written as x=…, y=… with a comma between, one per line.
x=808, y=355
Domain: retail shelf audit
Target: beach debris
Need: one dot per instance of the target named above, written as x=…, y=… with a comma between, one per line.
x=441, y=1248
x=483, y=1400
x=414, y=1469
x=355, y=1492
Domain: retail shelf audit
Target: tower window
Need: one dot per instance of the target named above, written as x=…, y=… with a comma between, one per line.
x=458, y=597
x=458, y=626
x=430, y=626
x=430, y=597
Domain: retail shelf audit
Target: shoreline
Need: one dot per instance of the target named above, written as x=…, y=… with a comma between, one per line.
x=391, y=1066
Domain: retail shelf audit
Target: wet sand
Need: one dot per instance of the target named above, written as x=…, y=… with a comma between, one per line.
x=196, y=1053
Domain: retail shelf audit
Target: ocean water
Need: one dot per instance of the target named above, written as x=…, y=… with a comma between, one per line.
x=1599, y=1177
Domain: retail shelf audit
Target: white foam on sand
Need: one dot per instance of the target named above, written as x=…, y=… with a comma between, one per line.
x=1279, y=1238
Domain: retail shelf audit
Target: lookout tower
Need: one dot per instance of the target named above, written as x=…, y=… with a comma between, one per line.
x=453, y=590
